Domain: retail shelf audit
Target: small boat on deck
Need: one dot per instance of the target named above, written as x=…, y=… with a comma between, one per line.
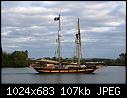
x=50, y=66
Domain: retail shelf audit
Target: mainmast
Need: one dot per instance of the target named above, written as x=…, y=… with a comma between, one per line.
x=78, y=42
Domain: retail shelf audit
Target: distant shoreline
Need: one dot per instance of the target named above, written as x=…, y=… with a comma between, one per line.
x=29, y=67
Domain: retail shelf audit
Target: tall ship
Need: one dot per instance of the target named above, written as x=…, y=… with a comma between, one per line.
x=51, y=66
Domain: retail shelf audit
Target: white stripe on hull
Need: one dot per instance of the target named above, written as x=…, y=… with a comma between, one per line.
x=66, y=71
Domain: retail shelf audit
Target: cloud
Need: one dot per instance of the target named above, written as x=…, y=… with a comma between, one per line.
x=30, y=24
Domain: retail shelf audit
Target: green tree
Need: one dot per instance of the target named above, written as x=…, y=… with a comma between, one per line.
x=19, y=58
x=121, y=59
x=15, y=59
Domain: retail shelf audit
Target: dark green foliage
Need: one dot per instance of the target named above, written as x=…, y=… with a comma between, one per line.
x=15, y=59
x=6, y=59
x=121, y=59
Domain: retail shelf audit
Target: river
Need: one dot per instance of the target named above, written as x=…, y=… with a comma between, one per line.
x=103, y=75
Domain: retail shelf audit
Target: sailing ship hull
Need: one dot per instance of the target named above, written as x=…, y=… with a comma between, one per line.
x=78, y=70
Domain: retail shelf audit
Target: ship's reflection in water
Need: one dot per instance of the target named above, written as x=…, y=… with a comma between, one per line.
x=110, y=75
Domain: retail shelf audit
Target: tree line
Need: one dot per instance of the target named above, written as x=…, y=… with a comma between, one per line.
x=20, y=59
x=15, y=59
x=120, y=60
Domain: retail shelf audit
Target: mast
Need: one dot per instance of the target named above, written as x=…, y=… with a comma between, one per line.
x=58, y=41
x=78, y=42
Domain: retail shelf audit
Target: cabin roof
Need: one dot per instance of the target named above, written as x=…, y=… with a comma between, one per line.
x=47, y=61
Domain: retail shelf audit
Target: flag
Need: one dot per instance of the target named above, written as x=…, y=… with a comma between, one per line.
x=56, y=18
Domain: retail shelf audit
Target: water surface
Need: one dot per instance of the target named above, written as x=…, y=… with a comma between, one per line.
x=108, y=75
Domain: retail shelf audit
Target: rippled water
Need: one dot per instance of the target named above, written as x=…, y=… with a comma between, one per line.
x=108, y=75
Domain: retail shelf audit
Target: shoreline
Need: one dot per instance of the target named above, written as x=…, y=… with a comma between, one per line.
x=30, y=67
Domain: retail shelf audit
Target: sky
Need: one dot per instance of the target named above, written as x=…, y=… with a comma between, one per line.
x=30, y=25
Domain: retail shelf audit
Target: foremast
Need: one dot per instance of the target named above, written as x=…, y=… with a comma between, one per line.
x=59, y=52
x=58, y=41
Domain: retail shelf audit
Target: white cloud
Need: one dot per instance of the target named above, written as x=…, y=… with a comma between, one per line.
x=11, y=46
x=100, y=29
x=113, y=23
x=4, y=33
x=32, y=10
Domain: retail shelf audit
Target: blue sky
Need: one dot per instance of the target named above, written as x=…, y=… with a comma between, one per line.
x=30, y=25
